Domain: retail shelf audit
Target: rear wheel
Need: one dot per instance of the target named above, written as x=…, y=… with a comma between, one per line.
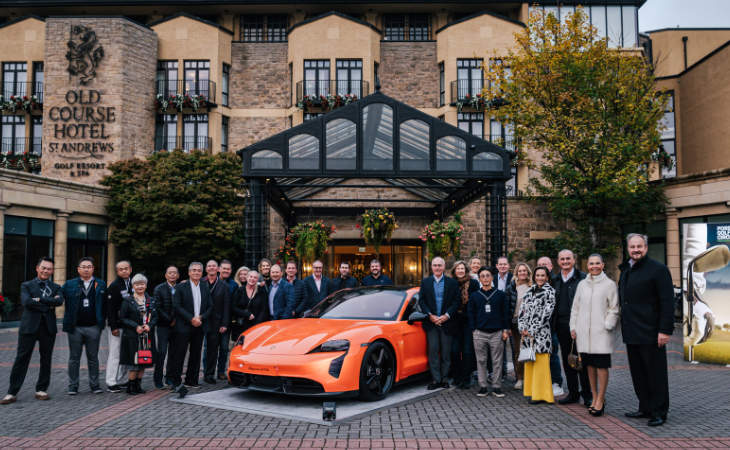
x=377, y=372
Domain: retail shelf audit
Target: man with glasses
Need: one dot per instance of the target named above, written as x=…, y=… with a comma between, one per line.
x=313, y=290
x=83, y=320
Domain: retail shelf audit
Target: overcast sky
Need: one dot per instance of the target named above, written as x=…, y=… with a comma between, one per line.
x=657, y=14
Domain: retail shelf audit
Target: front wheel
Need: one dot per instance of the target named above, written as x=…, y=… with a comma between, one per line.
x=377, y=372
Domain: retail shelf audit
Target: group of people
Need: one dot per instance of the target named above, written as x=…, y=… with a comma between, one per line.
x=472, y=317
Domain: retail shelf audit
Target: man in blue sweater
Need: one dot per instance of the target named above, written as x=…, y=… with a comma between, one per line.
x=488, y=311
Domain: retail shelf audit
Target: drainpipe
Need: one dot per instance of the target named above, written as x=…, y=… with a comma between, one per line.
x=684, y=46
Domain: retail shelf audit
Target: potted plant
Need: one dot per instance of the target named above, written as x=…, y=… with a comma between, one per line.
x=376, y=226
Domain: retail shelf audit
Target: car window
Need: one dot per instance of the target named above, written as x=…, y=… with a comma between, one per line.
x=412, y=306
x=368, y=304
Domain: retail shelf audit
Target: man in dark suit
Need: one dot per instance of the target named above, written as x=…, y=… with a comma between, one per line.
x=192, y=306
x=503, y=276
x=345, y=280
x=116, y=374
x=39, y=298
x=312, y=290
x=216, y=338
x=565, y=284
x=376, y=277
x=162, y=298
x=647, y=322
x=84, y=318
x=439, y=299
x=279, y=294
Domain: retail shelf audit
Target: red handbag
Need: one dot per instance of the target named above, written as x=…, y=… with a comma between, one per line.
x=143, y=356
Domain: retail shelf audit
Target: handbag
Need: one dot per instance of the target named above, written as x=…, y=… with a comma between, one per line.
x=527, y=353
x=143, y=356
x=574, y=359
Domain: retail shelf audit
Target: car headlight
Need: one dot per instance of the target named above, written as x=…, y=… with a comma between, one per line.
x=239, y=341
x=337, y=345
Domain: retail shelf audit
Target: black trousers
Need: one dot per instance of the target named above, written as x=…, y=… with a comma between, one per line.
x=572, y=376
x=26, y=343
x=213, y=340
x=648, y=366
x=162, y=348
x=191, y=343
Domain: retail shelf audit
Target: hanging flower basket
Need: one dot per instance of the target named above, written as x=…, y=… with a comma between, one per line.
x=288, y=251
x=443, y=238
x=310, y=239
x=377, y=226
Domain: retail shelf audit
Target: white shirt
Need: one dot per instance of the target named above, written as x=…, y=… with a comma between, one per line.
x=196, y=298
x=566, y=278
x=502, y=282
x=318, y=283
x=87, y=283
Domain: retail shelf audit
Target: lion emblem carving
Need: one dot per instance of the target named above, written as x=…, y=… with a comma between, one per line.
x=84, y=53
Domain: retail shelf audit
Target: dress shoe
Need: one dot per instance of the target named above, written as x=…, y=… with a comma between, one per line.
x=209, y=380
x=656, y=421
x=568, y=400
x=636, y=415
x=445, y=385
x=181, y=390
x=8, y=399
x=432, y=386
x=41, y=395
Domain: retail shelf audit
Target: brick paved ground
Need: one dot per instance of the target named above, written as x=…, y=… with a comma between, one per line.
x=699, y=417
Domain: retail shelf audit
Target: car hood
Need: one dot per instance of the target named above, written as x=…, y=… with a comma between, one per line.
x=300, y=336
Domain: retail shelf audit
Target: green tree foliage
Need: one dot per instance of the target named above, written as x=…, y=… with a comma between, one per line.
x=173, y=208
x=592, y=113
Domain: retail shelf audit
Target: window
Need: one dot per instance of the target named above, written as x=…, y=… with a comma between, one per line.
x=264, y=28
x=442, y=85
x=304, y=152
x=12, y=135
x=487, y=162
x=225, y=81
x=451, y=153
x=668, y=136
x=310, y=116
x=316, y=77
x=341, y=135
x=224, y=133
x=503, y=135
x=38, y=80
x=377, y=125
x=195, y=132
x=167, y=78
x=197, y=78
x=266, y=159
x=472, y=123
x=15, y=77
x=166, y=132
x=414, y=145
x=376, y=73
x=25, y=241
x=37, y=135
x=470, y=78
x=349, y=77
x=87, y=239
x=401, y=27
x=615, y=22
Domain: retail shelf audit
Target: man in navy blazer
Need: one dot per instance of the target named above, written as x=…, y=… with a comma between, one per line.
x=192, y=307
x=279, y=294
x=313, y=289
x=39, y=298
x=439, y=299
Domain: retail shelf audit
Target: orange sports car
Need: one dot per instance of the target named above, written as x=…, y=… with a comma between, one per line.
x=356, y=342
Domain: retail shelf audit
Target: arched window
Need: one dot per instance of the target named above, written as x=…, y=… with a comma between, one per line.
x=341, y=139
x=414, y=145
x=377, y=125
x=266, y=159
x=451, y=153
x=487, y=161
x=304, y=152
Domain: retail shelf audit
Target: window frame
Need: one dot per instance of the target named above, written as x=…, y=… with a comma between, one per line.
x=264, y=28
x=470, y=118
x=318, y=72
x=225, y=126
x=198, y=67
x=469, y=65
x=14, y=123
x=198, y=120
x=347, y=66
x=166, y=67
x=19, y=86
x=225, y=83
x=162, y=135
x=407, y=27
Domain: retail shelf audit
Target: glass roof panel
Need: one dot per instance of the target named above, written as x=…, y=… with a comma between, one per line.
x=377, y=137
x=266, y=159
x=414, y=145
x=487, y=161
x=451, y=154
x=341, y=139
x=303, y=152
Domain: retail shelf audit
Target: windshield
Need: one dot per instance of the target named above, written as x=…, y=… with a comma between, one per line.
x=370, y=304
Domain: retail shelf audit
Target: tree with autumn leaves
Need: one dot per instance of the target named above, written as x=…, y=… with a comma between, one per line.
x=590, y=113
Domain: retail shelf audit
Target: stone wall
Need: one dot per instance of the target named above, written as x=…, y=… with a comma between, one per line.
x=409, y=72
x=244, y=131
x=259, y=75
x=123, y=88
x=526, y=218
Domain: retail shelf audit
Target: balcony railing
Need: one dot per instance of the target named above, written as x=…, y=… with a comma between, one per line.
x=346, y=90
x=21, y=154
x=507, y=142
x=462, y=90
x=202, y=88
x=20, y=89
x=184, y=143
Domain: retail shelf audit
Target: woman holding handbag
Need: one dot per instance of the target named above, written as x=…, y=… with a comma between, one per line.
x=138, y=317
x=251, y=304
x=533, y=324
x=593, y=320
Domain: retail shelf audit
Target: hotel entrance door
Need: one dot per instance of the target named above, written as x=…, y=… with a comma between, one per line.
x=402, y=262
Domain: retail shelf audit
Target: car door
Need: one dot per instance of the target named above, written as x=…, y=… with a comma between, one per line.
x=411, y=343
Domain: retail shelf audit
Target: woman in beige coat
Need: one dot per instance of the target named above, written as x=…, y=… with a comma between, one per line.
x=593, y=320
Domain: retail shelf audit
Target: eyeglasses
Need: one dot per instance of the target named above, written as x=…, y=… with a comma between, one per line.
x=86, y=267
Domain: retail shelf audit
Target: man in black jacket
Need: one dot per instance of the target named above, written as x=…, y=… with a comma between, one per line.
x=345, y=280
x=192, y=306
x=439, y=299
x=216, y=338
x=162, y=298
x=312, y=289
x=116, y=374
x=647, y=321
x=39, y=298
x=565, y=284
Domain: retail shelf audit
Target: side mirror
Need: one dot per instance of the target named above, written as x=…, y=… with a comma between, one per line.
x=416, y=316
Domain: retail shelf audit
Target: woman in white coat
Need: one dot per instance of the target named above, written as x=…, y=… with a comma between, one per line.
x=593, y=320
